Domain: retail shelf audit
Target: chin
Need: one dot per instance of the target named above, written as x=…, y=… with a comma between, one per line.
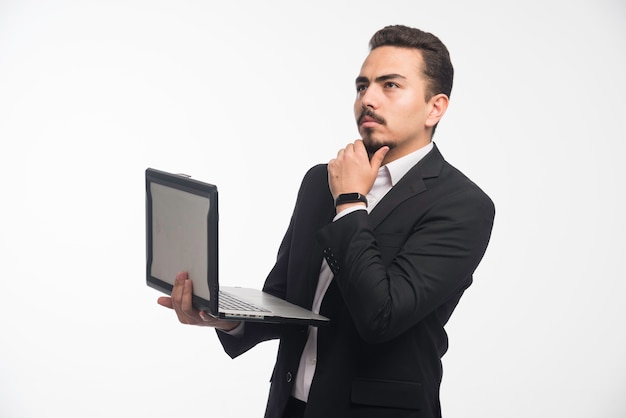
x=374, y=144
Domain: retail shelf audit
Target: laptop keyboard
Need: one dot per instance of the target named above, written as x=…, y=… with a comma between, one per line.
x=230, y=302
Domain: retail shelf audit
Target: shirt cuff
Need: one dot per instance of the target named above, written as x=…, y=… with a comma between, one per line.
x=235, y=332
x=348, y=210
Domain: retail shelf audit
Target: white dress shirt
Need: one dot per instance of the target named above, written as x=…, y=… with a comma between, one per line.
x=388, y=176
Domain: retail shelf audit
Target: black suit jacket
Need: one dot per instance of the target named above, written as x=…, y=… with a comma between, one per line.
x=399, y=272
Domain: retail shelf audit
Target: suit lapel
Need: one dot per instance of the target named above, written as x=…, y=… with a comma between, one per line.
x=410, y=185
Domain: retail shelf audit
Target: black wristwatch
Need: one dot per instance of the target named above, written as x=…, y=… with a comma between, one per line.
x=350, y=198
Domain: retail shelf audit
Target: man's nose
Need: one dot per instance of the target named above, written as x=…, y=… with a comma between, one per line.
x=369, y=98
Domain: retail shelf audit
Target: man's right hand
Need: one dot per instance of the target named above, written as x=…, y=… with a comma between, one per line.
x=180, y=302
x=352, y=171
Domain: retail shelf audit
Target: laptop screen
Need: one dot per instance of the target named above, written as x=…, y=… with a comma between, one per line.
x=181, y=226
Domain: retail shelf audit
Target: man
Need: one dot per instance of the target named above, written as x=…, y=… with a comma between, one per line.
x=383, y=240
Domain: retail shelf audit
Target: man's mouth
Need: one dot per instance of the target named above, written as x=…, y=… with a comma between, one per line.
x=369, y=118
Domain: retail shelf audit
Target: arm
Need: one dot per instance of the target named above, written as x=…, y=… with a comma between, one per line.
x=419, y=260
x=386, y=295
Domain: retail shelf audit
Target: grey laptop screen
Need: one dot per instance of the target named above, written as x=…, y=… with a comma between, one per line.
x=181, y=226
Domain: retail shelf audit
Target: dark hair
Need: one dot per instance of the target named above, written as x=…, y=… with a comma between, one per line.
x=437, y=65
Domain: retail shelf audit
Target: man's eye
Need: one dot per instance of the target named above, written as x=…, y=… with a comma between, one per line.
x=360, y=88
x=389, y=84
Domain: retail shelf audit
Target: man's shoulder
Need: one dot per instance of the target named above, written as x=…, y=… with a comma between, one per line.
x=317, y=171
x=315, y=181
x=316, y=175
x=449, y=182
x=459, y=186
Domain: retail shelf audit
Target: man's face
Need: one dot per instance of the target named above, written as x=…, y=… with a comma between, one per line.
x=390, y=107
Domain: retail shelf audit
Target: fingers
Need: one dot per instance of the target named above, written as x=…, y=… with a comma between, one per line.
x=351, y=154
x=187, y=301
x=353, y=150
x=181, y=300
x=186, y=313
x=378, y=157
x=165, y=301
x=352, y=171
x=178, y=289
x=206, y=317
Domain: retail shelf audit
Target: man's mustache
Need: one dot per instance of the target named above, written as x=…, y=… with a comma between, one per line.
x=366, y=111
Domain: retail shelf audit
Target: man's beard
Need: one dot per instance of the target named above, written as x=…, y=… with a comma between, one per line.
x=371, y=143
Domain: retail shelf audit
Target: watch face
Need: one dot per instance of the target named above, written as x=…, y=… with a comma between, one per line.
x=350, y=198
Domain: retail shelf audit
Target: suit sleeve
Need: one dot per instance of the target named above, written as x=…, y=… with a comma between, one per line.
x=432, y=264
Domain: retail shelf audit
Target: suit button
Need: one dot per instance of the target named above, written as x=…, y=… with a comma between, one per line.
x=289, y=377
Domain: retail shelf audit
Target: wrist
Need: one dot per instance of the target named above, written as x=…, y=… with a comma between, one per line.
x=349, y=208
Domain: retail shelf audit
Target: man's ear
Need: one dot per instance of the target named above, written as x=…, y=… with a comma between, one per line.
x=438, y=106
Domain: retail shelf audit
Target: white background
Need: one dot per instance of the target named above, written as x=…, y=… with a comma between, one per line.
x=249, y=95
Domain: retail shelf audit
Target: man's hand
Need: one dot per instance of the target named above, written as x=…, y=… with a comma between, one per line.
x=352, y=171
x=180, y=301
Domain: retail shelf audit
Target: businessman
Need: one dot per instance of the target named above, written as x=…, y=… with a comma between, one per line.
x=383, y=240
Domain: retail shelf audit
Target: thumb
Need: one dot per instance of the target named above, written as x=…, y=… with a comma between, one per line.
x=378, y=157
x=165, y=301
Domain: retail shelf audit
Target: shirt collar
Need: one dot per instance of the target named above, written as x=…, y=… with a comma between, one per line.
x=398, y=168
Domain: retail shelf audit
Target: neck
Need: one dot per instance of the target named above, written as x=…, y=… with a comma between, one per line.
x=398, y=152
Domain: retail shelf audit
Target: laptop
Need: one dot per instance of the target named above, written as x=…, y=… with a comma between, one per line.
x=182, y=235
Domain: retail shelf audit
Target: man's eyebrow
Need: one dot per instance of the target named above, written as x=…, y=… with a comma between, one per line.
x=382, y=78
x=387, y=77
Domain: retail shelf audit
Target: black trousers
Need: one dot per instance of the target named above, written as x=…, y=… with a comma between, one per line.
x=295, y=408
